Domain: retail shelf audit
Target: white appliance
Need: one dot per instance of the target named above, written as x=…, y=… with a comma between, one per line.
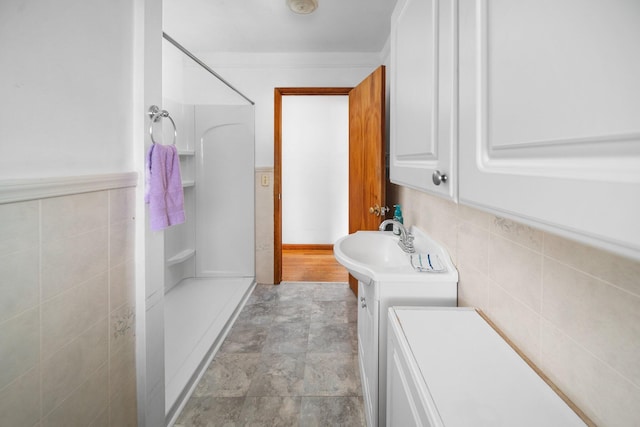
x=449, y=367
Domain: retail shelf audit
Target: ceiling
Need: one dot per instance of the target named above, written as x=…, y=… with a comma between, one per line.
x=269, y=26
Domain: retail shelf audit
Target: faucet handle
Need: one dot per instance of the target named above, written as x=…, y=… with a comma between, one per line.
x=407, y=246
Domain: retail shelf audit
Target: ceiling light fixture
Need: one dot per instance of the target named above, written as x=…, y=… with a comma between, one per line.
x=303, y=7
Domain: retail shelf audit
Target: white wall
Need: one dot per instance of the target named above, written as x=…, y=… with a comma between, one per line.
x=173, y=63
x=315, y=169
x=256, y=75
x=66, y=88
x=77, y=78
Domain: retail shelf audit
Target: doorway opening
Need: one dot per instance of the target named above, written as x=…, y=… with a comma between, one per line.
x=366, y=169
x=311, y=168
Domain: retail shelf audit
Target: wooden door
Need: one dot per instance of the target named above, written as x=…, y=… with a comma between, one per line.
x=366, y=154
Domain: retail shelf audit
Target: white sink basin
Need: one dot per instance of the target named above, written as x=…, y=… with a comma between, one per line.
x=373, y=248
x=374, y=256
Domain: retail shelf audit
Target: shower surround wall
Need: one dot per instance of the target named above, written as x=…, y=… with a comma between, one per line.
x=217, y=277
x=572, y=309
x=67, y=309
x=209, y=268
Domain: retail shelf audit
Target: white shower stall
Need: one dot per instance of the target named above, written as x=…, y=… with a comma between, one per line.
x=210, y=259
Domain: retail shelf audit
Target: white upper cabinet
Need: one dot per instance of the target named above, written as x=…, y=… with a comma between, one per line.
x=424, y=95
x=549, y=115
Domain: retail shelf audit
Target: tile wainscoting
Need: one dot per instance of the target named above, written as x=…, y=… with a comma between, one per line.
x=264, y=226
x=572, y=309
x=578, y=320
x=67, y=305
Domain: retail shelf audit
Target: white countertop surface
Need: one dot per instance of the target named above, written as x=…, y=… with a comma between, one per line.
x=475, y=378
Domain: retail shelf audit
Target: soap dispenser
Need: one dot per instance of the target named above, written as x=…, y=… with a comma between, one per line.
x=397, y=216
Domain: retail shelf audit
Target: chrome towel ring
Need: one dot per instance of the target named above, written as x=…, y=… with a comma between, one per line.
x=155, y=114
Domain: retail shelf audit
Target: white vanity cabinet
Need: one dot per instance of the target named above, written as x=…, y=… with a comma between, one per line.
x=549, y=117
x=423, y=96
x=374, y=299
x=368, y=338
x=449, y=367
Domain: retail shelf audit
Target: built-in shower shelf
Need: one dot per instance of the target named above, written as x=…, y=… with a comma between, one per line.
x=181, y=257
x=186, y=153
x=188, y=183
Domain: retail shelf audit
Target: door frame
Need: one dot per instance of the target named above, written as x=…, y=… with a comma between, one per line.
x=279, y=92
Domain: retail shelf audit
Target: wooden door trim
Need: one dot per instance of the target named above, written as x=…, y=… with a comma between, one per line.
x=279, y=92
x=306, y=247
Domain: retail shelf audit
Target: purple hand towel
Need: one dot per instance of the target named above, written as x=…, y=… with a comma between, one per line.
x=164, y=187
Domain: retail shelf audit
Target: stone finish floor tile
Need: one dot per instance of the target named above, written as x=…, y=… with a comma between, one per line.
x=290, y=293
x=287, y=338
x=332, y=411
x=279, y=375
x=228, y=375
x=293, y=313
x=263, y=294
x=211, y=412
x=333, y=338
x=333, y=292
x=334, y=312
x=245, y=339
x=257, y=314
x=289, y=360
x=331, y=374
x=270, y=411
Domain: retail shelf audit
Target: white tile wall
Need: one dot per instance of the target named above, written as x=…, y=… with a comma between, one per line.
x=573, y=310
x=21, y=268
x=517, y=269
x=19, y=229
x=67, y=300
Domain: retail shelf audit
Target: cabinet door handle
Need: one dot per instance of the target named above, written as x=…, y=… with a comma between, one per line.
x=363, y=304
x=438, y=177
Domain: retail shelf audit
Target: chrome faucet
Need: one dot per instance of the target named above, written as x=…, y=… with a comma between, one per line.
x=406, y=238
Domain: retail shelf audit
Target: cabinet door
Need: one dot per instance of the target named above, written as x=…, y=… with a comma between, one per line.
x=423, y=95
x=368, y=350
x=408, y=401
x=550, y=116
x=401, y=408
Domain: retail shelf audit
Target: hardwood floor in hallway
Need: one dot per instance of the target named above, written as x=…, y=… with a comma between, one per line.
x=311, y=265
